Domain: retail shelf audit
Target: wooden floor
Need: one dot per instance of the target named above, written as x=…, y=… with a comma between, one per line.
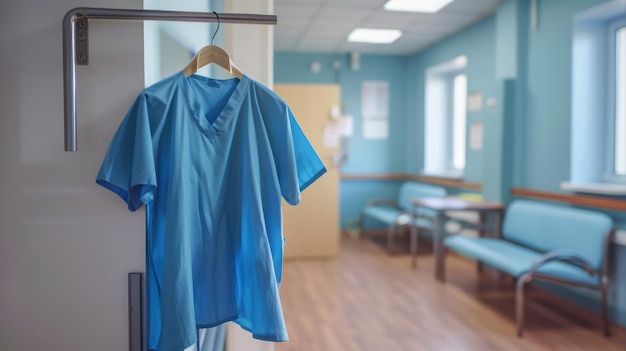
x=368, y=300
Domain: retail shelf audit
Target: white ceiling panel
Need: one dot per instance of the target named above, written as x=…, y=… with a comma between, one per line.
x=366, y=48
x=414, y=38
x=450, y=21
x=363, y=4
x=335, y=26
x=392, y=20
x=287, y=36
x=280, y=3
x=470, y=6
x=285, y=45
x=288, y=22
x=314, y=44
x=337, y=13
x=322, y=36
x=294, y=11
x=323, y=25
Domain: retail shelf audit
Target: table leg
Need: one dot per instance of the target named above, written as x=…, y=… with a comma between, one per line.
x=413, y=230
x=481, y=233
x=479, y=267
x=438, y=248
x=497, y=224
x=496, y=233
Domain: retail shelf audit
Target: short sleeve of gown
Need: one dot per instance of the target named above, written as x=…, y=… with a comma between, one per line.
x=128, y=168
x=299, y=165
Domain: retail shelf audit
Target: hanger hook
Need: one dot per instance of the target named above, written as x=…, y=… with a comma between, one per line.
x=217, y=29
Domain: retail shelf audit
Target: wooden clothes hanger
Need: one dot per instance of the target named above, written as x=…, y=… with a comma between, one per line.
x=212, y=54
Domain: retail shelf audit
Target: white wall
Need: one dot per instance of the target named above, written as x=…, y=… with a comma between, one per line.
x=190, y=35
x=174, y=56
x=66, y=244
x=251, y=47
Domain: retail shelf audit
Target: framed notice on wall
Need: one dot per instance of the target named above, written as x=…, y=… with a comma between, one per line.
x=375, y=128
x=476, y=136
x=375, y=109
x=374, y=99
x=475, y=101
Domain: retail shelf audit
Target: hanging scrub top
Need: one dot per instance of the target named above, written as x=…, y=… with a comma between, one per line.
x=211, y=160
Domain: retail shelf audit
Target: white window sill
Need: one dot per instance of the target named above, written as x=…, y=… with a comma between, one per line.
x=446, y=175
x=595, y=188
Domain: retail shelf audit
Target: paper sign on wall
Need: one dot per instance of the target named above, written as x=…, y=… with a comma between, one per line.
x=346, y=125
x=331, y=136
x=335, y=111
x=474, y=101
x=476, y=136
x=375, y=99
x=375, y=128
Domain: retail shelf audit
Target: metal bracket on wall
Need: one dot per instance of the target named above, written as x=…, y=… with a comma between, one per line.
x=534, y=15
x=136, y=305
x=76, y=45
x=81, y=39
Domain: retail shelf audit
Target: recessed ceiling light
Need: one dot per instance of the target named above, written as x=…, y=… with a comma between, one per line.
x=374, y=36
x=416, y=5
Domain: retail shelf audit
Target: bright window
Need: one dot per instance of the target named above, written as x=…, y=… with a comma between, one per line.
x=598, y=139
x=619, y=160
x=445, y=119
x=459, y=121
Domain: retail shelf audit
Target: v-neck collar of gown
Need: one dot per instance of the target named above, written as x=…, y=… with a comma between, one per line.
x=193, y=98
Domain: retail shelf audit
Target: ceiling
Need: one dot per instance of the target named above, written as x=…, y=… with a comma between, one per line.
x=324, y=25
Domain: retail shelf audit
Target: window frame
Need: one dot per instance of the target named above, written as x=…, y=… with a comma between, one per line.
x=591, y=155
x=609, y=174
x=444, y=74
x=452, y=126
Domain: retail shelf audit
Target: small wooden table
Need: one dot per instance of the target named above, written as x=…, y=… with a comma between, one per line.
x=440, y=206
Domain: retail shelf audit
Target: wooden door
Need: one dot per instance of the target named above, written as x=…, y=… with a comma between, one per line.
x=312, y=227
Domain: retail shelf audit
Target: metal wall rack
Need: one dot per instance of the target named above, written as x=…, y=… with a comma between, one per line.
x=76, y=44
x=76, y=52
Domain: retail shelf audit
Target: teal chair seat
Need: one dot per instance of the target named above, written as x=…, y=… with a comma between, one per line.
x=549, y=242
x=515, y=260
x=387, y=214
x=396, y=214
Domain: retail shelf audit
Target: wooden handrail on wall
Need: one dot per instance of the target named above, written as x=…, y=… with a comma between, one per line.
x=579, y=200
x=447, y=182
x=419, y=178
x=380, y=176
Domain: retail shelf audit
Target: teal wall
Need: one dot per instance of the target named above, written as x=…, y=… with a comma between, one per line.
x=548, y=101
x=366, y=156
x=526, y=135
x=542, y=160
x=477, y=43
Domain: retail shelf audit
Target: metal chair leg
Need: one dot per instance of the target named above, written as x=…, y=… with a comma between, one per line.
x=361, y=224
x=442, y=263
x=414, y=245
x=519, y=303
x=605, y=312
x=390, y=237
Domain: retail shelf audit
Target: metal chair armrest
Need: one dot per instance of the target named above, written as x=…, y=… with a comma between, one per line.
x=389, y=203
x=563, y=255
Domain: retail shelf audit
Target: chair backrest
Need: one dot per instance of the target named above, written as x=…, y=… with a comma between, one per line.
x=413, y=190
x=545, y=227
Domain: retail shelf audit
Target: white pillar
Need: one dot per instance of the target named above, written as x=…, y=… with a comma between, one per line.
x=251, y=47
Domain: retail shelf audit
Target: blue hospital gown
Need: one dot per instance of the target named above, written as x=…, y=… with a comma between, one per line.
x=211, y=160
